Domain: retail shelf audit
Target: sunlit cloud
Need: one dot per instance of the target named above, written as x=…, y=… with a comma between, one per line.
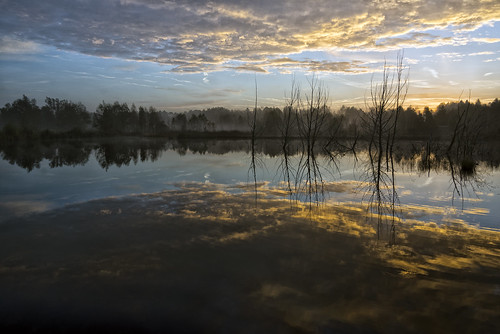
x=203, y=36
x=249, y=68
x=450, y=55
x=290, y=65
x=486, y=40
x=483, y=53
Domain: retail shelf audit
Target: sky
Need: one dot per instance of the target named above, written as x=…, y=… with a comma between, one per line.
x=195, y=54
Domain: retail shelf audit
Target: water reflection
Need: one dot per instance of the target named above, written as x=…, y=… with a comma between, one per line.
x=262, y=268
x=122, y=152
x=74, y=153
x=466, y=173
x=302, y=175
x=304, y=171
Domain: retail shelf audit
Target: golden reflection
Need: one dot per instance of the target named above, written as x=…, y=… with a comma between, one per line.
x=476, y=211
x=213, y=203
x=278, y=260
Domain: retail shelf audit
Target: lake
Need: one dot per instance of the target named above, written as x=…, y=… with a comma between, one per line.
x=148, y=235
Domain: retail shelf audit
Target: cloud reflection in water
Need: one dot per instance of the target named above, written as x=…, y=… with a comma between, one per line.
x=206, y=252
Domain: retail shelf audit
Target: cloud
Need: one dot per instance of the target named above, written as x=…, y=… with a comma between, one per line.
x=486, y=40
x=433, y=72
x=200, y=36
x=12, y=46
x=205, y=78
x=449, y=55
x=287, y=65
x=412, y=39
x=248, y=68
x=97, y=41
x=482, y=53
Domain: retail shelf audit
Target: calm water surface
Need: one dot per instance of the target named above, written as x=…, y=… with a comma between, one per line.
x=42, y=177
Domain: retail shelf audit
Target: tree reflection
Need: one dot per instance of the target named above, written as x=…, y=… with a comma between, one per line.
x=30, y=155
x=380, y=183
x=77, y=153
x=254, y=163
x=119, y=152
x=466, y=175
x=380, y=122
x=302, y=173
x=304, y=170
x=123, y=153
x=70, y=154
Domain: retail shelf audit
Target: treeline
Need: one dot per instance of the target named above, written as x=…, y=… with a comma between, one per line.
x=23, y=118
x=443, y=121
x=439, y=123
x=119, y=119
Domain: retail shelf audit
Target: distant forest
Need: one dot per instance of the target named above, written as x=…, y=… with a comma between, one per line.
x=24, y=119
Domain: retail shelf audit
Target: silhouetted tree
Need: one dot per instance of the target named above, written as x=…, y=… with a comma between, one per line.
x=270, y=120
x=23, y=113
x=179, y=122
x=67, y=115
x=156, y=126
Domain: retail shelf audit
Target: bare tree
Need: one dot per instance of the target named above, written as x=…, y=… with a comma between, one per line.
x=386, y=100
x=312, y=113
